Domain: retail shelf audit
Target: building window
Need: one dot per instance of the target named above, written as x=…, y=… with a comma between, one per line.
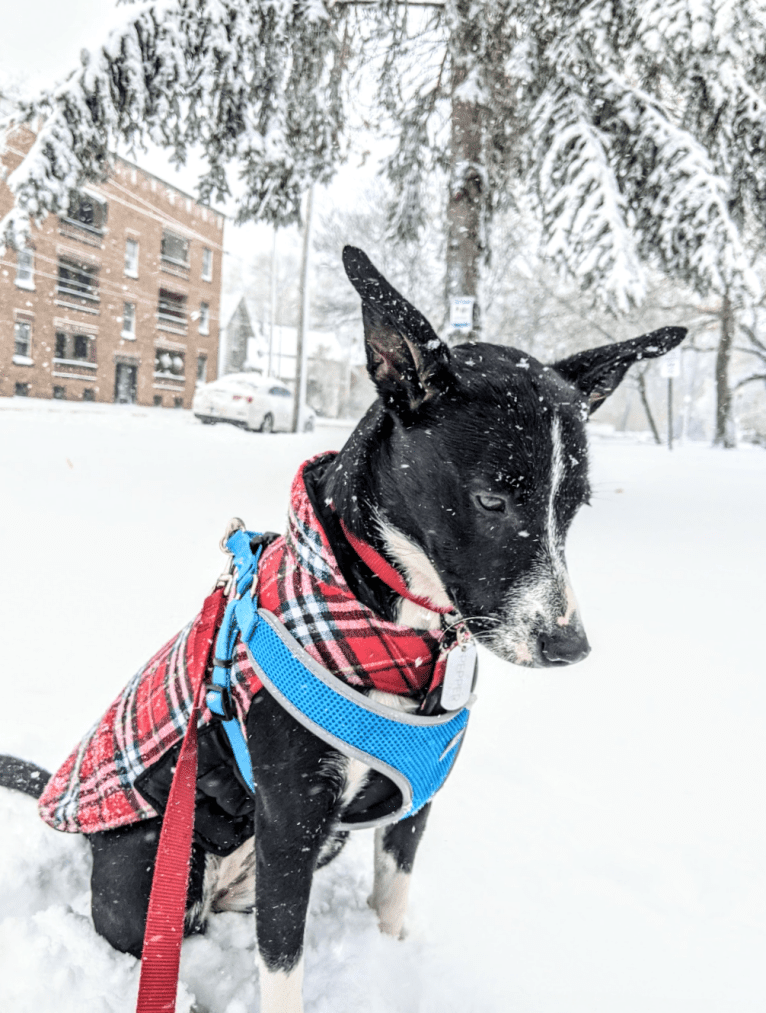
x=59, y=393
x=21, y=389
x=168, y=363
x=75, y=347
x=157, y=400
x=22, y=332
x=89, y=394
x=78, y=279
x=178, y=402
x=175, y=249
x=204, y=318
x=81, y=347
x=172, y=308
x=201, y=368
x=131, y=258
x=25, y=269
x=87, y=212
x=207, y=264
x=129, y=320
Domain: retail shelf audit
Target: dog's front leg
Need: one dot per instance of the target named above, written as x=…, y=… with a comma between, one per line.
x=395, y=847
x=296, y=802
x=284, y=870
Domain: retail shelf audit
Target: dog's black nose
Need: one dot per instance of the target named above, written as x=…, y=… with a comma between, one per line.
x=563, y=646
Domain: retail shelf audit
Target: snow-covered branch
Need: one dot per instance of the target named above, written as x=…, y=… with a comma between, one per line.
x=252, y=83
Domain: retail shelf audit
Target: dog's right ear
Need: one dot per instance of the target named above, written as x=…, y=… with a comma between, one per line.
x=406, y=359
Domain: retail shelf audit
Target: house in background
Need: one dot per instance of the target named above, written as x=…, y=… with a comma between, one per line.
x=239, y=326
x=336, y=383
x=116, y=301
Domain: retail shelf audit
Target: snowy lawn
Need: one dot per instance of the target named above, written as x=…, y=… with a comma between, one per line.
x=599, y=848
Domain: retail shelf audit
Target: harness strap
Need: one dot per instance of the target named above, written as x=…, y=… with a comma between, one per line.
x=164, y=930
x=240, y=616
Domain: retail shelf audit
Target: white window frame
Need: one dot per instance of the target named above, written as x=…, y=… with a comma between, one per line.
x=131, y=269
x=207, y=264
x=129, y=315
x=25, y=269
x=204, y=318
x=23, y=358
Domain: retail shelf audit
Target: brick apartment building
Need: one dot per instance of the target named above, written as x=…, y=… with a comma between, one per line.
x=117, y=301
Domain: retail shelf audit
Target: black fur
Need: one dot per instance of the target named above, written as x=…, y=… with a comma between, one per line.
x=478, y=456
x=20, y=775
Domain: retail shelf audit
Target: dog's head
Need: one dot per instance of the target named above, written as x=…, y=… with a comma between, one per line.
x=485, y=465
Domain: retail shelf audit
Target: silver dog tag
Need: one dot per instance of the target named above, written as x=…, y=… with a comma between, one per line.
x=458, y=676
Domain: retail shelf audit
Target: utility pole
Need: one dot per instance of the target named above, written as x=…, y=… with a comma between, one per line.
x=272, y=300
x=303, y=320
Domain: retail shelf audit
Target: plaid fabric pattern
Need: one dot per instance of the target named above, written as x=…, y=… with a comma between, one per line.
x=299, y=581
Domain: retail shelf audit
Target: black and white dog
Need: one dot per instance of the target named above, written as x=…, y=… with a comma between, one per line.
x=465, y=474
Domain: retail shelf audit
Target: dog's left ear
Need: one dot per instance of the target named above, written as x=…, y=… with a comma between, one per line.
x=406, y=359
x=599, y=371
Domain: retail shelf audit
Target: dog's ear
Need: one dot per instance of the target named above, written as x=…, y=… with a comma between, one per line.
x=599, y=371
x=406, y=359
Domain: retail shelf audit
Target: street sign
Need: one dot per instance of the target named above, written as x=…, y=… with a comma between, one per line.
x=670, y=364
x=461, y=312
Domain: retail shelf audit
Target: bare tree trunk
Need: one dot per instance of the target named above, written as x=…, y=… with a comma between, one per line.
x=466, y=215
x=724, y=436
x=641, y=383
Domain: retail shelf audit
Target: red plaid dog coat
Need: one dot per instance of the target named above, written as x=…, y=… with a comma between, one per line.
x=300, y=582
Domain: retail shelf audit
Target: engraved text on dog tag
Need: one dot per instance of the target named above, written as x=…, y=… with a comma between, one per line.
x=458, y=676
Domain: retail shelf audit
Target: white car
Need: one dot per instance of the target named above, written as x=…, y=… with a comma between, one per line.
x=251, y=401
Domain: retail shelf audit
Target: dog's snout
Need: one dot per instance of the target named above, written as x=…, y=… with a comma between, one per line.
x=563, y=646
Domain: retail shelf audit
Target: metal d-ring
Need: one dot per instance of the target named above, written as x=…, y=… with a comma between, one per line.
x=226, y=579
x=235, y=524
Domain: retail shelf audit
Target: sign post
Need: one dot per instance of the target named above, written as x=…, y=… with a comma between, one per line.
x=461, y=312
x=670, y=367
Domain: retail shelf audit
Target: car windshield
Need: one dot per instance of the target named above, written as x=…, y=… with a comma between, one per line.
x=232, y=383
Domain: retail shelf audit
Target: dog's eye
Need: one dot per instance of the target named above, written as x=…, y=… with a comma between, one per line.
x=494, y=503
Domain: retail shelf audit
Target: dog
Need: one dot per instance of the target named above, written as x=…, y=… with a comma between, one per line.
x=464, y=475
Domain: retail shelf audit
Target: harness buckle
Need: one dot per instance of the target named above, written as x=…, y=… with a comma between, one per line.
x=224, y=700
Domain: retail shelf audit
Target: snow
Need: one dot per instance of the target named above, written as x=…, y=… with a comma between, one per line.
x=599, y=847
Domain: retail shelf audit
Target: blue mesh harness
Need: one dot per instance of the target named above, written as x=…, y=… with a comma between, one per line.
x=415, y=752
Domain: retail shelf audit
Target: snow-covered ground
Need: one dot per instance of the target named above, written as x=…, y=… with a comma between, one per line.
x=600, y=846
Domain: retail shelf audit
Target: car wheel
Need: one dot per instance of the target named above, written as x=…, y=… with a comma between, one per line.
x=267, y=426
x=308, y=426
x=206, y=420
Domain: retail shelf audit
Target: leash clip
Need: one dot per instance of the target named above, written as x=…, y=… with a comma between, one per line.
x=226, y=579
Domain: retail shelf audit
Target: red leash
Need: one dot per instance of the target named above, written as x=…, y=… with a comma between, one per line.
x=164, y=930
x=163, y=935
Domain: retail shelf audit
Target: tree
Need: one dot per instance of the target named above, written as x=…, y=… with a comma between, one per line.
x=636, y=130
x=255, y=85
